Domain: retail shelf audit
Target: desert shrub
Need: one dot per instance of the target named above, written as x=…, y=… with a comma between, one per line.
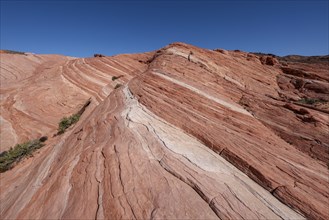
x=116, y=77
x=9, y=158
x=66, y=122
x=13, y=52
x=309, y=101
x=98, y=55
x=43, y=138
x=117, y=86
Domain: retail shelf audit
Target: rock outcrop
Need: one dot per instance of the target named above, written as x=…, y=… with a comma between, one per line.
x=215, y=134
x=268, y=60
x=38, y=90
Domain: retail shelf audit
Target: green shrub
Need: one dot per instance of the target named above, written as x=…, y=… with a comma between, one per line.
x=67, y=122
x=9, y=158
x=117, y=86
x=13, y=52
x=309, y=101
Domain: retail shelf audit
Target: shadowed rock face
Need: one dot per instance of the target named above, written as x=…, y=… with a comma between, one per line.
x=191, y=134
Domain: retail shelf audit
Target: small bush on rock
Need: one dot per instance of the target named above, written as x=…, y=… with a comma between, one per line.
x=117, y=86
x=65, y=122
x=43, y=138
x=116, y=77
x=9, y=158
x=309, y=101
x=13, y=52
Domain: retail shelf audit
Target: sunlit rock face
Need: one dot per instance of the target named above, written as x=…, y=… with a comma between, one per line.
x=178, y=133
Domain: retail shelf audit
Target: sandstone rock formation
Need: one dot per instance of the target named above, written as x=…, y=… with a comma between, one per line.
x=216, y=134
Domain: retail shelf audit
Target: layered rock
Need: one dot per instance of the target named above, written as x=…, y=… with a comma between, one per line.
x=192, y=134
x=38, y=90
x=251, y=140
x=137, y=166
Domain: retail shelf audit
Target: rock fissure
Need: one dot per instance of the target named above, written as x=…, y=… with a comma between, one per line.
x=98, y=202
x=190, y=184
x=234, y=194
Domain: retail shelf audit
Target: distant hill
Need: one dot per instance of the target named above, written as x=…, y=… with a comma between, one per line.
x=297, y=58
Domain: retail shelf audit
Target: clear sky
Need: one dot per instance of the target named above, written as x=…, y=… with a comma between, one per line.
x=82, y=28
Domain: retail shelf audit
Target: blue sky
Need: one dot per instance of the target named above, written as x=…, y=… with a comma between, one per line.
x=82, y=28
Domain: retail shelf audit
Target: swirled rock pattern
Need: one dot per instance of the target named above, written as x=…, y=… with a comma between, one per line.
x=46, y=88
x=190, y=134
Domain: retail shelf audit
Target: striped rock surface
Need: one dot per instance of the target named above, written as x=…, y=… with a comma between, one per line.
x=213, y=134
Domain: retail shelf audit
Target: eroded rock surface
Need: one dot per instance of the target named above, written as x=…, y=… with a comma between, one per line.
x=38, y=90
x=191, y=134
